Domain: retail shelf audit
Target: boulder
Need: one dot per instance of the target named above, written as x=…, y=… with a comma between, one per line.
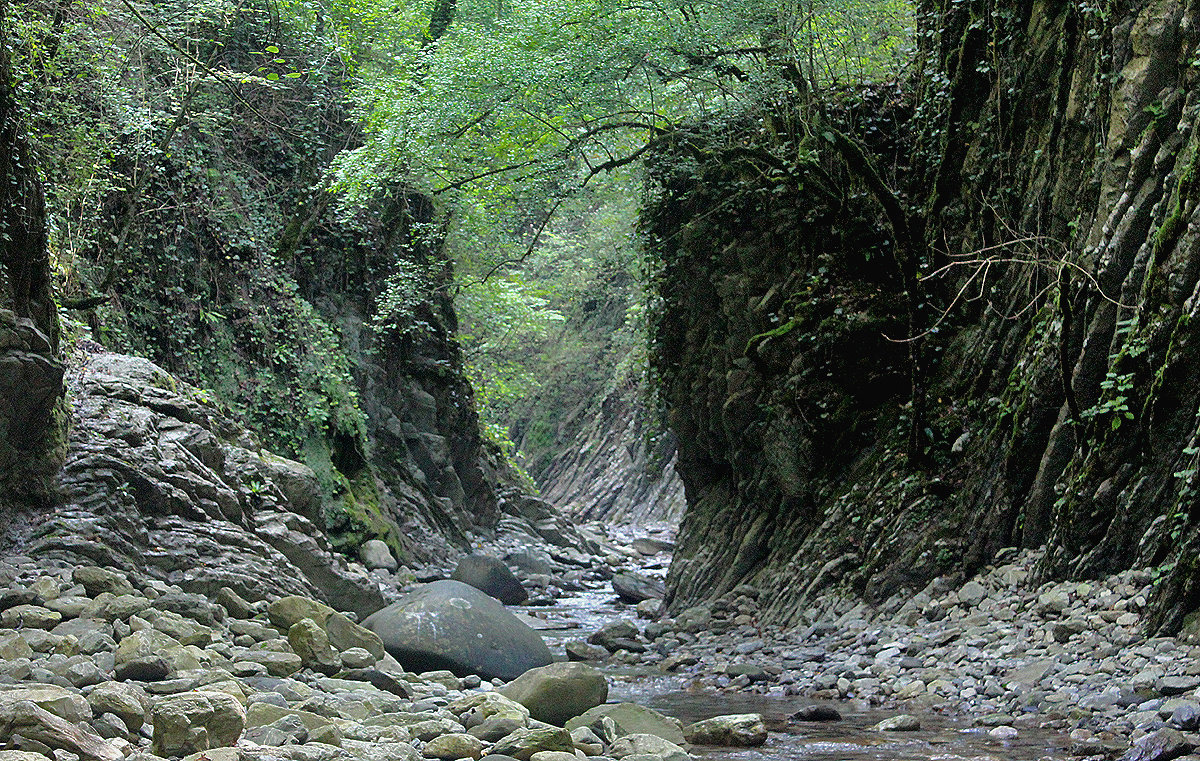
x=523, y=743
x=60, y=701
x=452, y=625
x=615, y=635
x=492, y=577
x=288, y=610
x=196, y=721
x=25, y=719
x=375, y=554
x=648, y=745
x=631, y=719
x=816, y=713
x=745, y=730
x=635, y=588
x=127, y=701
x=311, y=643
x=344, y=634
x=902, y=723
x=558, y=692
x=1161, y=745
x=648, y=546
x=453, y=746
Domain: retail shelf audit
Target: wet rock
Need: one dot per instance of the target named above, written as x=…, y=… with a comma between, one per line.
x=615, y=635
x=582, y=651
x=649, y=546
x=648, y=745
x=96, y=580
x=234, y=604
x=630, y=718
x=558, y=692
x=694, y=620
x=635, y=588
x=735, y=730
x=196, y=721
x=901, y=723
x=492, y=577
x=451, y=625
x=1186, y=716
x=972, y=593
x=816, y=713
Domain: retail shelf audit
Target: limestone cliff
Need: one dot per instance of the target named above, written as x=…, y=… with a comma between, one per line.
x=1025, y=211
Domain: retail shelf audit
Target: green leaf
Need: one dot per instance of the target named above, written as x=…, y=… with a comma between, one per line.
x=273, y=77
x=272, y=49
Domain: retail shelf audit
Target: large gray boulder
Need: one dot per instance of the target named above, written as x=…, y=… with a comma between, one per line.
x=632, y=587
x=558, y=692
x=492, y=577
x=451, y=625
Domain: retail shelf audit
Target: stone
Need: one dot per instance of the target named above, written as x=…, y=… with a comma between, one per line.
x=345, y=634
x=635, y=588
x=144, y=654
x=631, y=718
x=816, y=713
x=453, y=746
x=1186, y=716
x=29, y=617
x=558, y=692
x=972, y=593
x=1161, y=745
x=650, y=547
x=277, y=664
x=357, y=658
x=25, y=719
x=451, y=625
x=66, y=704
x=901, y=723
x=492, y=577
x=127, y=701
x=196, y=721
x=286, y=611
x=13, y=646
x=234, y=604
x=553, y=755
x=524, y=742
x=745, y=730
x=375, y=554
x=311, y=643
x=582, y=651
x=97, y=580
x=1176, y=685
x=647, y=745
x=495, y=728
x=194, y=607
x=693, y=620
x=614, y=635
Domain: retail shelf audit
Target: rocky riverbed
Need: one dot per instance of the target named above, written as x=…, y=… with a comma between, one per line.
x=98, y=664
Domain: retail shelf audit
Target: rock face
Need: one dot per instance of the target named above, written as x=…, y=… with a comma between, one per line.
x=158, y=481
x=30, y=371
x=492, y=577
x=820, y=455
x=451, y=625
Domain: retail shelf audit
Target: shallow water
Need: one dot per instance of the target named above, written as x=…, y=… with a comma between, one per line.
x=941, y=738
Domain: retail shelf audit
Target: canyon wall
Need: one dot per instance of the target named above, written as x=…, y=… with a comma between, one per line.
x=958, y=319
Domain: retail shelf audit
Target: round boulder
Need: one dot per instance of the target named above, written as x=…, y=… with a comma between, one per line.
x=558, y=692
x=451, y=625
x=492, y=577
x=738, y=730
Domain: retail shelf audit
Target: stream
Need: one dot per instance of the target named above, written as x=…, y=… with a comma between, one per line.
x=941, y=738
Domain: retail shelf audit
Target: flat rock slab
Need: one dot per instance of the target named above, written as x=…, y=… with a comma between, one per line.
x=454, y=626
